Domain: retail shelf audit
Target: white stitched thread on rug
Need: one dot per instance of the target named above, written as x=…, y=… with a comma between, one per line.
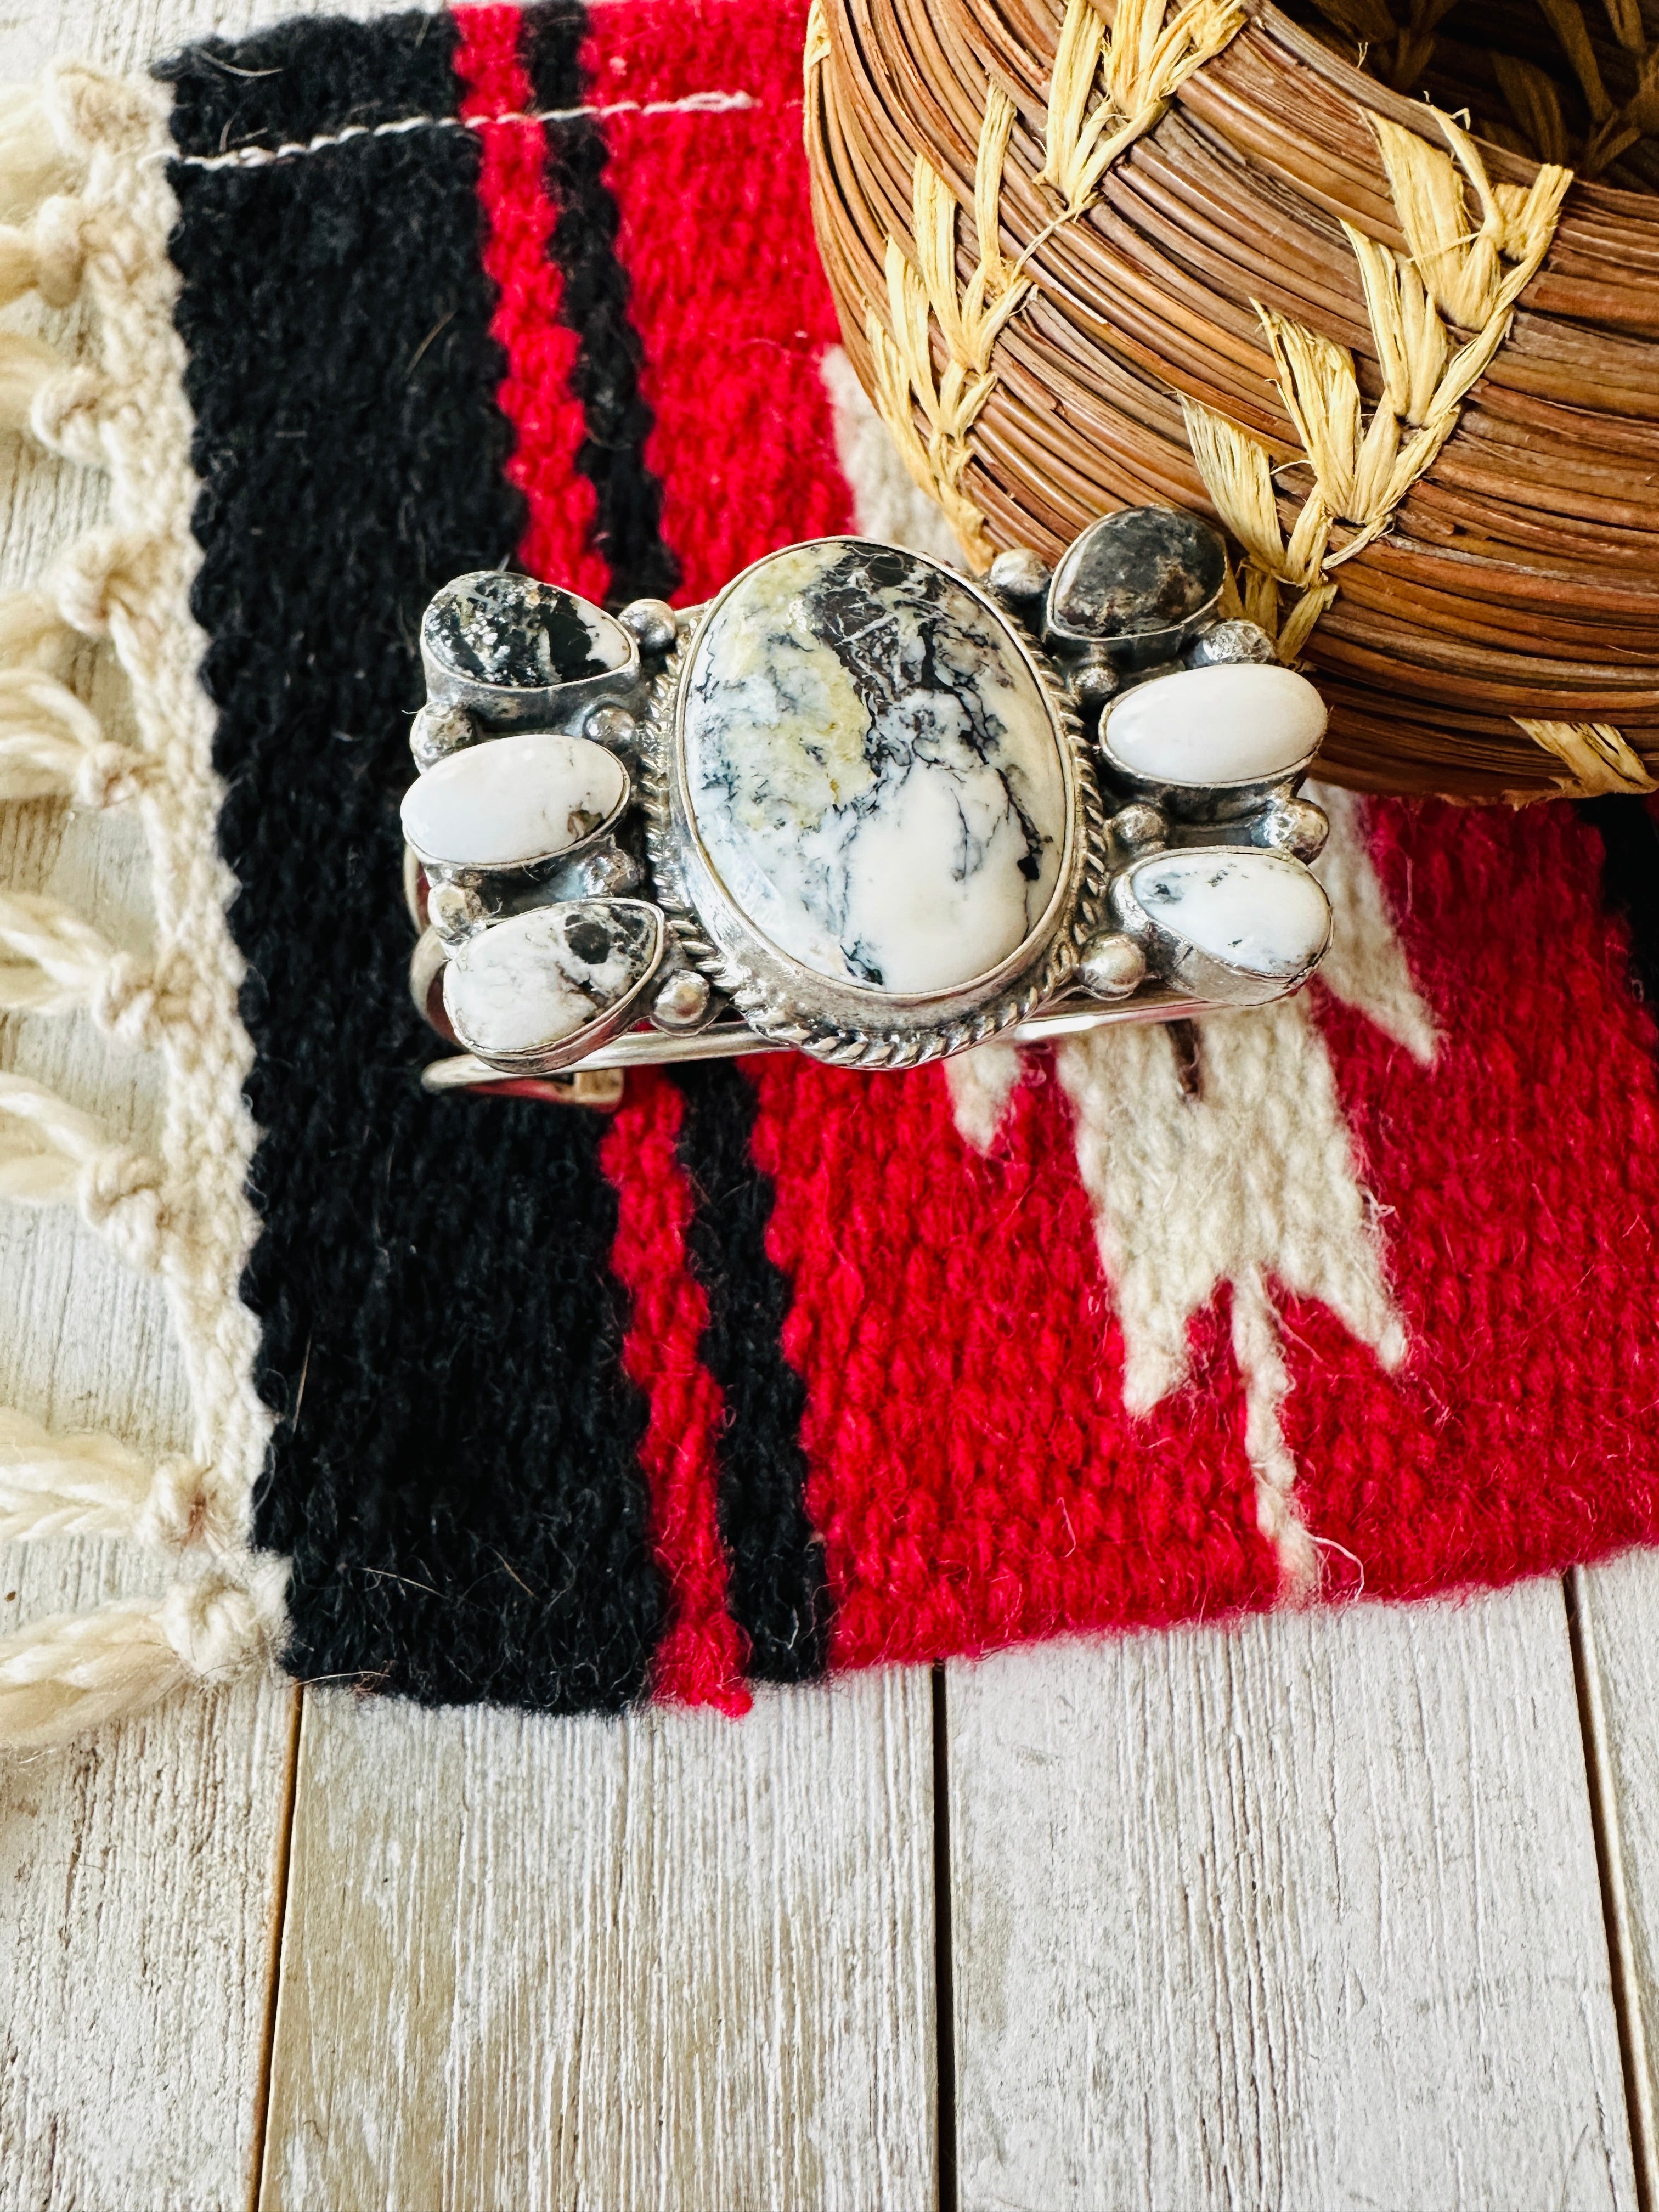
x=91, y=148
x=261, y=157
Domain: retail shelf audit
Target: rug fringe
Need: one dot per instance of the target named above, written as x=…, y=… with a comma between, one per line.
x=61, y=1676
x=85, y=212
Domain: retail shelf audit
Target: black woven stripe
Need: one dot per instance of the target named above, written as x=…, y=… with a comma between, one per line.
x=1630, y=839
x=454, y=1473
x=606, y=379
x=779, y=1595
x=283, y=87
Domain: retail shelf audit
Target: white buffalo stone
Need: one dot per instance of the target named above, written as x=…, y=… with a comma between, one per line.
x=873, y=768
x=532, y=982
x=511, y=801
x=495, y=628
x=1260, y=912
x=1237, y=723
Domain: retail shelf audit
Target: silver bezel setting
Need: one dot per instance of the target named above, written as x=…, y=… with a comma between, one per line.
x=1187, y=966
x=848, y=1024
x=478, y=871
x=565, y=1052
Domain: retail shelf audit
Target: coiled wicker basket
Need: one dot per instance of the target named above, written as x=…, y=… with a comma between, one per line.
x=1087, y=256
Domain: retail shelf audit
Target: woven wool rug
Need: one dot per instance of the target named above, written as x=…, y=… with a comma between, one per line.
x=778, y=1368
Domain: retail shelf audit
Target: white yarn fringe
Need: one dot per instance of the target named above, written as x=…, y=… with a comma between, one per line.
x=89, y=1485
x=74, y=1672
x=52, y=1154
x=85, y=212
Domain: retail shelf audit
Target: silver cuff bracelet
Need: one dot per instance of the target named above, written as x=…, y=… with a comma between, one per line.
x=855, y=806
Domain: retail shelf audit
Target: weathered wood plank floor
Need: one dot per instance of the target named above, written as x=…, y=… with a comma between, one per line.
x=1345, y=1909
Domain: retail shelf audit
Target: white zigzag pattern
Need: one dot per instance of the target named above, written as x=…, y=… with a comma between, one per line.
x=1252, y=1178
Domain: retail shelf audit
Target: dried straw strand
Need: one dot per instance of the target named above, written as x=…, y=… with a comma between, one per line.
x=1140, y=62
x=1596, y=755
x=969, y=324
x=1453, y=277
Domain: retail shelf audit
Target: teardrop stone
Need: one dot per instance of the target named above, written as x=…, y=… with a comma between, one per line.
x=534, y=981
x=1263, y=913
x=512, y=801
x=494, y=628
x=872, y=768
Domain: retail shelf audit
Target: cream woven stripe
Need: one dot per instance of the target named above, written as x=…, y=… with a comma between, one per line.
x=85, y=153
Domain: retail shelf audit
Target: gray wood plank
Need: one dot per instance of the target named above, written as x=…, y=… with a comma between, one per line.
x=667, y=1960
x=1302, y=1914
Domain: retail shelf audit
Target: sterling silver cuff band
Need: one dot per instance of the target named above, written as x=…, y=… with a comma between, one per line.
x=857, y=806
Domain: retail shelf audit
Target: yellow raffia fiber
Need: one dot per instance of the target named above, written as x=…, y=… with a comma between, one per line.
x=1458, y=276
x=923, y=292
x=1595, y=754
x=1107, y=88
x=1138, y=64
x=817, y=49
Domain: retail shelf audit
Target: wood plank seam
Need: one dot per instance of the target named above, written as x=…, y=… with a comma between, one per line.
x=1615, y=1897
x=284, y=1855
x=945, y=2024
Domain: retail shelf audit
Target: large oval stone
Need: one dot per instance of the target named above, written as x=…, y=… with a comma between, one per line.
x=1240, y=722
x=512, y=801
x=873, y=769
x=1260, y=912
x=534, y=981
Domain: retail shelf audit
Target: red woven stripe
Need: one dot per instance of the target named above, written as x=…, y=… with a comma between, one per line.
x=519, y=217
x=716, y=237
x=701, y=1659
x=974, y=1474
x=1519, y=1178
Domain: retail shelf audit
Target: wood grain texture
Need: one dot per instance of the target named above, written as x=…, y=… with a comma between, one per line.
x=667, y=1960
x=1302, y=1915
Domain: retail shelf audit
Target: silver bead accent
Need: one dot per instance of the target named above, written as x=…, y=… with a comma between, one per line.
x=606, y=872
x=612, y=726
x=1112, y=965
x=1137, y=828
x=1019, y=575
x=437, y=732
x=1230, y=641
x=1094, y=678
x=1293, y=825
x=652, y=622
x=454, y=910
x=683, y=1002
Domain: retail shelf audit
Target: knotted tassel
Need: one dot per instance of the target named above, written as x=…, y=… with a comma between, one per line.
x=45, y=255
x=52, y=961
x=86, y=1484
x=73, y=1672
x=52, y=1154
x=52, y=743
